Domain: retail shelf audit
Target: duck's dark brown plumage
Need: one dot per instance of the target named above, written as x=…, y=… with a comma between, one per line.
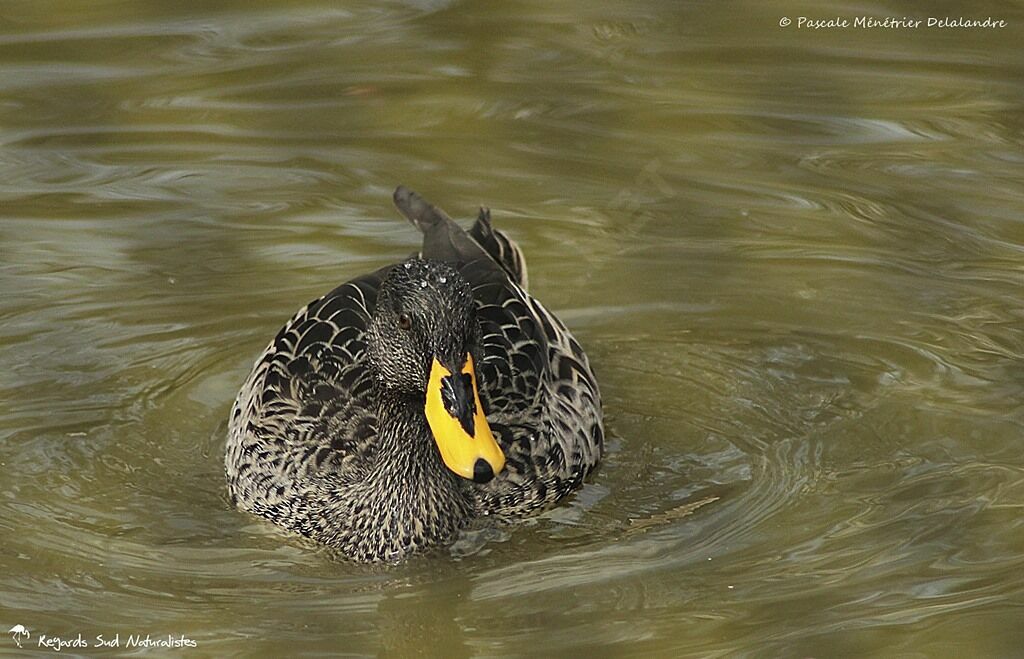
x=320, y=442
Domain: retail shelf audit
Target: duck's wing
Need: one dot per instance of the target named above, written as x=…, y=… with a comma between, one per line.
x=306, y=406
x=500, y=247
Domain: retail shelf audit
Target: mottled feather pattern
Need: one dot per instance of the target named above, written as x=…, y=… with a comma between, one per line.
x=501, y=248
x=303, y=437
x=306, y=407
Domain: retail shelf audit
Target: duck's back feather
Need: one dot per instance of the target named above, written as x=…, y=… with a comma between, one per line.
x=307, y=405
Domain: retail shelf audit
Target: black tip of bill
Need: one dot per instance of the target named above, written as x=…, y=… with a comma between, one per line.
x=482, y=472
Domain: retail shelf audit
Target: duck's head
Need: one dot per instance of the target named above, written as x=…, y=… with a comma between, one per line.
x=419, y=345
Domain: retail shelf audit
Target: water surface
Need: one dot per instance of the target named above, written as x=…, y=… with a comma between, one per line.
x=794, y=257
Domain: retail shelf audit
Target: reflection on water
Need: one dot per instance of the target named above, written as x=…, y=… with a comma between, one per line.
x=793, y=256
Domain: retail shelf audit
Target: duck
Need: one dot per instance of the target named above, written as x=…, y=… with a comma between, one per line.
x=391, y=413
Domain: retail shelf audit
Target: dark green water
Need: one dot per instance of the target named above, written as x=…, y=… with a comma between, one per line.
x=795, y=257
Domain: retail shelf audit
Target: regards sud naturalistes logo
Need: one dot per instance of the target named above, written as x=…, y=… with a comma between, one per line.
x=23, y=638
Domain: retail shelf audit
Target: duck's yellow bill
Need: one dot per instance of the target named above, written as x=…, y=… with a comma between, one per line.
x=458, y=423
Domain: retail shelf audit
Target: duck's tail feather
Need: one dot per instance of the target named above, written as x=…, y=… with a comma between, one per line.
x=424, y=215
x=444, y=240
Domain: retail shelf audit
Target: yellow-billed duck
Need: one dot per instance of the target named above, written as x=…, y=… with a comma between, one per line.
x=389, y=413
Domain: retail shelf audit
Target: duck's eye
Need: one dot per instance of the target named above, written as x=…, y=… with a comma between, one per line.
x=404, y=321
